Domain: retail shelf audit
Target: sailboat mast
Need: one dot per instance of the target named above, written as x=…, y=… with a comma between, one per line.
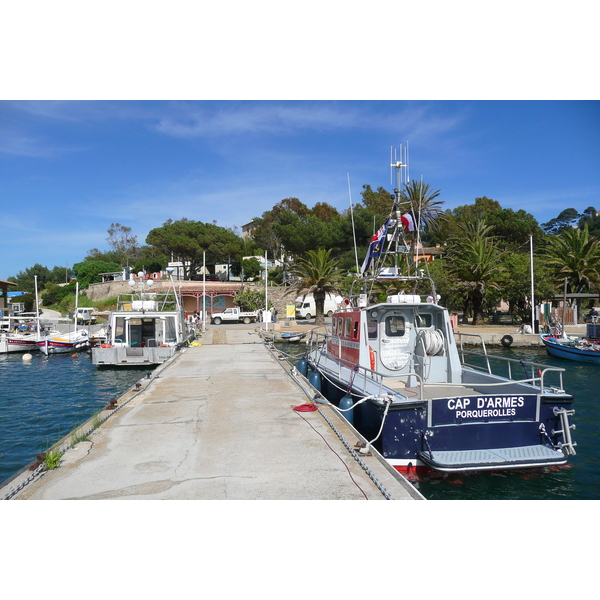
x=76, y=302
x=37, y=308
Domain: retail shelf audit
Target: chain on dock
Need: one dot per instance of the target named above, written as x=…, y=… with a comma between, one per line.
x=292, y=373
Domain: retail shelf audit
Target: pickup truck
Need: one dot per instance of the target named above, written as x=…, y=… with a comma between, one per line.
x=234, y=315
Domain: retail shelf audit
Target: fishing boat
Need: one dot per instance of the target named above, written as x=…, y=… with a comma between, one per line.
x=581, y=349
x=394, y=367
x=64, y=343
x=21, y=332
x=146, y=329
x=77, y=340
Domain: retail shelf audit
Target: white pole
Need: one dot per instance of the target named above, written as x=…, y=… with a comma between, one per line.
x=76, y=302
x=532, y=287
x=37, y=307
x=266, y=292
x=203, y=292
x=353, y=229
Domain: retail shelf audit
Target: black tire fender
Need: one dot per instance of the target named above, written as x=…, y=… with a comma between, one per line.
x=507, y=341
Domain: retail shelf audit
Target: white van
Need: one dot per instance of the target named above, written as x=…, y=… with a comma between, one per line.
x=306, y=309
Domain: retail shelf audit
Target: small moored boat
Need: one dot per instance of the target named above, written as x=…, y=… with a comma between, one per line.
x=581, y=349
x=290, y=337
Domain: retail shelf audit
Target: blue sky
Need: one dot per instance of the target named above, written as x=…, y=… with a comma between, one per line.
x=68, y=169
x=217, y=112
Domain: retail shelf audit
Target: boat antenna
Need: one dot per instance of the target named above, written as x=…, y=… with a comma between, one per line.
x=353, y=228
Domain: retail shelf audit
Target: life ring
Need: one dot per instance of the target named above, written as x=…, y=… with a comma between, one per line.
x=507, y=341
x=372, y=358
x=105, y=346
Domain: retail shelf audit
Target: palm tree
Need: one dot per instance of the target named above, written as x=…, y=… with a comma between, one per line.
x=421, y=199
x=474, y=260
x=318, y=275
x=575, y=255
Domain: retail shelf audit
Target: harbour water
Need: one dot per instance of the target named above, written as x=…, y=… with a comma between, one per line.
x=44, y=399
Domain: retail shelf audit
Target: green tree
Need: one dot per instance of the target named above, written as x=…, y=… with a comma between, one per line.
x=123, y=242
x=574, y=255
x=250, y=268
x=474, y=261
x=318, y=275
x=378, y=203
x=250, y=299
x=88, y=271
x=567, y=218
x=513, y=228
x=25, y=280
x=591, y=218
x=514, y=283
x=187, y=241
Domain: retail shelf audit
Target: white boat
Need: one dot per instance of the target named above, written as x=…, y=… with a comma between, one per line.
x=67, y=342
x=63, y=343
x=145, y=330
x=21, y=332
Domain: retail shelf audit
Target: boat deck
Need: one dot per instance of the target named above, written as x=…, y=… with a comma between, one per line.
x=430, y=391
x=493, y=459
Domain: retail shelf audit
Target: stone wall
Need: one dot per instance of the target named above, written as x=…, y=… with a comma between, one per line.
x=276, y=296
x=97, y=292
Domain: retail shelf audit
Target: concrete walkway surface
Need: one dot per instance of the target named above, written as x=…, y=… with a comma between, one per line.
x=218, y=423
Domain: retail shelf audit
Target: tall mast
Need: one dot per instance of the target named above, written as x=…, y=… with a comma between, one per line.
x=400, y=166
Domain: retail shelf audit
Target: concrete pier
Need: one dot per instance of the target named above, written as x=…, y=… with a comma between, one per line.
x=218, y=422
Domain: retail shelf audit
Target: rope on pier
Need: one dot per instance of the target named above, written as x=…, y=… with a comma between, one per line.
x=292, y=373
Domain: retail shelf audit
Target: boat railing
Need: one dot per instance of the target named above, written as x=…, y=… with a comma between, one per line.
x=362, y=375
x=534, y=372
x=163, y=300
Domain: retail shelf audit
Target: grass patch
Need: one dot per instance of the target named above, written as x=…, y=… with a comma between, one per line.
x=52, y=459
x=78, y=437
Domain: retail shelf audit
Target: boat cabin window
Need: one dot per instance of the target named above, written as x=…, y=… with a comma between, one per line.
x=423, y=320
x=372, y=328
x=170, y=330
x=394, y=326
x=348, y=327
x=119, y=334
x=355, y=331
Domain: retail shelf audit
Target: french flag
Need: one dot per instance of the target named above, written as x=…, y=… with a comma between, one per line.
x=375, y=248
x=409, y=221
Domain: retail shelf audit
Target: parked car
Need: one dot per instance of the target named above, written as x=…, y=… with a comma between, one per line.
x=206, y=278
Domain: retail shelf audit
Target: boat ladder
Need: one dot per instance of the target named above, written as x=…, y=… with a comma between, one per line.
x=568, y=445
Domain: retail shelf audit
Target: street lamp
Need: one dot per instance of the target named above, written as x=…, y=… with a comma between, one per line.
x=141, y=285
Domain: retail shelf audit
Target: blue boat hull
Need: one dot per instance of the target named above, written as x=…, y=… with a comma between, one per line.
x=475, y=444
x=570, y=353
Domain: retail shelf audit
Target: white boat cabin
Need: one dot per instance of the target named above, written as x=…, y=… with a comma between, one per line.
x=396, y=338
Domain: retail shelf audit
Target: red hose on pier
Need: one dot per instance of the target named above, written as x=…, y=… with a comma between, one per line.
x=305, y=408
